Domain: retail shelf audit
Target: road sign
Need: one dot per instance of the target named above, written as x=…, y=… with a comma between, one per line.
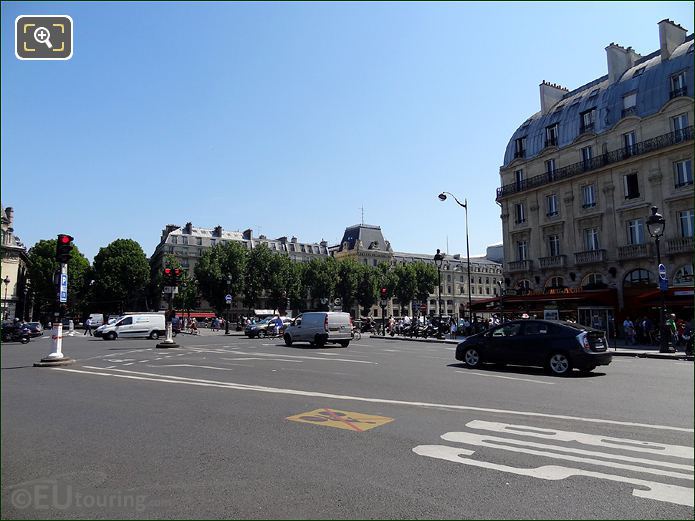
x=416, y=306
x=662, y=272
x=663, y=284
x=171, y=289
x=228, y=298
x=63, y=287
x=383, y=303
x=423, y=307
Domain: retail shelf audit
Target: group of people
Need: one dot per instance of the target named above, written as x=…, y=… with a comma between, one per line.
x=645, y=331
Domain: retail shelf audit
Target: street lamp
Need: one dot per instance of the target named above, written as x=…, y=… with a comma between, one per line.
x=656, y=225
x=439, y=260
x=6, y=280
x=501, y=285
x=464, y=205
x=229, y=305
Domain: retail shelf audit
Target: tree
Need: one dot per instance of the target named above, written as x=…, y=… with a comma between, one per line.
x=42, y=271
x=121, y=275
x=320, y=277
x=367, y=286
x=213, y=268
x=348, y=279
x=257, y=276
x=386, y=278
x=279, y=280
x=427, y=278
x=406, y=287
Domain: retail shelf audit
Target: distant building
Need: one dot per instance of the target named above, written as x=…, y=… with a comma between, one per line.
x=16, y=297
x=579, y=178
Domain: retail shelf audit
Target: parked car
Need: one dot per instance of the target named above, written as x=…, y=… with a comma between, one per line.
x=265, y=327
x=319, y=328
x=35, y=328
x=555, y=345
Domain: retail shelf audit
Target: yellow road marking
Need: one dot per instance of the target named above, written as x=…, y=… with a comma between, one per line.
x=353, y=421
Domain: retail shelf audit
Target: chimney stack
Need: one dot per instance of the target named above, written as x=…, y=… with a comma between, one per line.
x=218, y=231
x=550, y=95
x=671, y=35
x=619, y=60
x=247, y=234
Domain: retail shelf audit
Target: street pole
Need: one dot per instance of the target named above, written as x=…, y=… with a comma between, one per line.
x=655, y=225
x=229, y=306
x=6, y=280
x=168, y=341
x=439, y=260
x=56, y=356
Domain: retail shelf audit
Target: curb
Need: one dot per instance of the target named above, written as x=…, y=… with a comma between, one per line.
x=636, y=354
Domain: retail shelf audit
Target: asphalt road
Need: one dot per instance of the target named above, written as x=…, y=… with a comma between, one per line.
x=227, y=427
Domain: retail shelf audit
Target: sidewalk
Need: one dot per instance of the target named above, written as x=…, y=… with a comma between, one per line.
x=618, y=348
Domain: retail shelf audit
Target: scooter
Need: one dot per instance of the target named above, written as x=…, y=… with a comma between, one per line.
x=15, y=334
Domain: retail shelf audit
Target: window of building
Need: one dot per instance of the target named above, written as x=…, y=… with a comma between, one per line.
x=213, y=242
x=184, y=240
x=586, y=157
x=551, y=207
x=587, y=120
x=631, y=186
x=550, y=168
x=593, y=93
x=638, y=277
x=629, y=102
x=374, y=262
x=683, y=173
x=520, y=213
x=519, y=179
x=520, y=147
x=638, y=72
x=553, y=245
x=448, y=290
x=174, y=239
x=635, y=231
x=678, y=87
x=588, y=196
x=684, y=276
x=521, y=250
x=593, y=281
x=551, y=134
x=686, y=219
x=629, y=143
x=591, y=242
x=680, y=126
x=555, y=282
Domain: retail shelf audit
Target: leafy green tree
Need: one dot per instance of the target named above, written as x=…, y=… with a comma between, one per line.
x=426, y=276
x=387, y=278
x=187, y=297
x=297, y=288
x=367, y=286
x=213, y=268
x=348, y=279
x=42, y=272
x=121, y=275
x=257, y=275
x=279, y=281
x=406, y=287
x=321, y=276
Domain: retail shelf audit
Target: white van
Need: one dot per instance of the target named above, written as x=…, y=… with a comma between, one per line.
x=319, y=328
x=97, y=319
x=148, y=325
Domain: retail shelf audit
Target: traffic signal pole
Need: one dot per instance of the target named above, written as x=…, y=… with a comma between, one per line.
x=170, y=278
x=56, y=356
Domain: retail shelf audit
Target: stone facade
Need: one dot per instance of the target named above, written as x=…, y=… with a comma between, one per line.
x=15, y=292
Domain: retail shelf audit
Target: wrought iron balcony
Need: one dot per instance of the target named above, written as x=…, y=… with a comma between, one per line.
x=589, y=257
x=634, y=251
x=554, y=261
x=679, y=245
x=524, y=265
x=683, y=91
x=643, y=147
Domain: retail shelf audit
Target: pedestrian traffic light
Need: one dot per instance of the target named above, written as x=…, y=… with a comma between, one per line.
x=384, y=291
x=63, y=248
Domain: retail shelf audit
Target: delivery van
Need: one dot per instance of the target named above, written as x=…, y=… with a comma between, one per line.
x=97, y=319
x=320, y=328
x=136, y=325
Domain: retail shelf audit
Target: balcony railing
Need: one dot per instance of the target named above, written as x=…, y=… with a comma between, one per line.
x=679, y=245
x=524, y=265
x=590, y=257
x=643, y=147
x=633, y=251
x=683, y=91
x=554, y=261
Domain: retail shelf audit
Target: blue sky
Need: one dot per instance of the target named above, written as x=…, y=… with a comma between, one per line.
x=288, y=118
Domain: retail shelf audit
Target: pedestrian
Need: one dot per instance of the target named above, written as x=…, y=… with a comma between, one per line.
x=194, y=327
x=688, y=337
x=88, y=326
x=391, y=323
x=629, y=329
x=452, y=328
x=673, y=328
x=278, y=325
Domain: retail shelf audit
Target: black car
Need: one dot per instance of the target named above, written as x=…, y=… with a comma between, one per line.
x=34, y=328
x=556, y=345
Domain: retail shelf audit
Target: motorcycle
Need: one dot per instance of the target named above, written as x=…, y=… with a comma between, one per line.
x=12, y=333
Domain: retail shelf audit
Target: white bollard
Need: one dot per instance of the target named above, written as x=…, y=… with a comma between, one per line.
x=71, y=331
x=57, y=337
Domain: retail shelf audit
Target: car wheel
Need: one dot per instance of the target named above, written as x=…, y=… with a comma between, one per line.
x=288, y=340
x=261, y=334
x=154, y=335
x=344, y=343
x=319, y=341
x=25, y=340
x=471, y=357
x=559, y=364
x=110, y=336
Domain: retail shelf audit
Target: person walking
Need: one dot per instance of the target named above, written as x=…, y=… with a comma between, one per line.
x=88, y=326
x=629, y=329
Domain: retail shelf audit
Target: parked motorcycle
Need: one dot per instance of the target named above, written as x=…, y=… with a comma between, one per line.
x=15, y=333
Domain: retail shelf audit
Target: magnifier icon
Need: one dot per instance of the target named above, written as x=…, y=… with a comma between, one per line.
x=43, y=35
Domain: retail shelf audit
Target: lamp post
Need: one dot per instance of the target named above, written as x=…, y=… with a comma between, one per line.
x=229, y=305
x=656, y=224
x=501, y=285
x=24, y=302
x=6, y=280
x=464, y=205
x=439, y=260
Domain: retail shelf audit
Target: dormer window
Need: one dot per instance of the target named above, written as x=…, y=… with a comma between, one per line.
x=520, y=147
x=551, y=133
x=593, y=93
x=587, y=120
x=638, y=72
x=678, y=86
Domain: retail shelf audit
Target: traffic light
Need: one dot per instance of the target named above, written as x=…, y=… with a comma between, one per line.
x=384, y=291
x=63, y=248
x=168, y=277
x=176, y=278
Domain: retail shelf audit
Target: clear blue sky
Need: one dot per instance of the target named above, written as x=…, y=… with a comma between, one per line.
x=289, y=117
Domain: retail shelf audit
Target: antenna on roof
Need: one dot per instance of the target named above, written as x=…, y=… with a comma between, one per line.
x=362, y=208
x=447, y=245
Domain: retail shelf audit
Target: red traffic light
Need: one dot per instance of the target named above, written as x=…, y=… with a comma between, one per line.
x=167, y=271
x=383, y=292
x=64, y=239
x=177, y=272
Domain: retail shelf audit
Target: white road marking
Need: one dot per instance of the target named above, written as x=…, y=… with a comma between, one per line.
x=506, y=377
x=658, y=491
x=391, y=350
x=257, y=388
x=143, y=361
x=264, y=359
x=308, y=357
x=193, y=365
x=131, y=363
